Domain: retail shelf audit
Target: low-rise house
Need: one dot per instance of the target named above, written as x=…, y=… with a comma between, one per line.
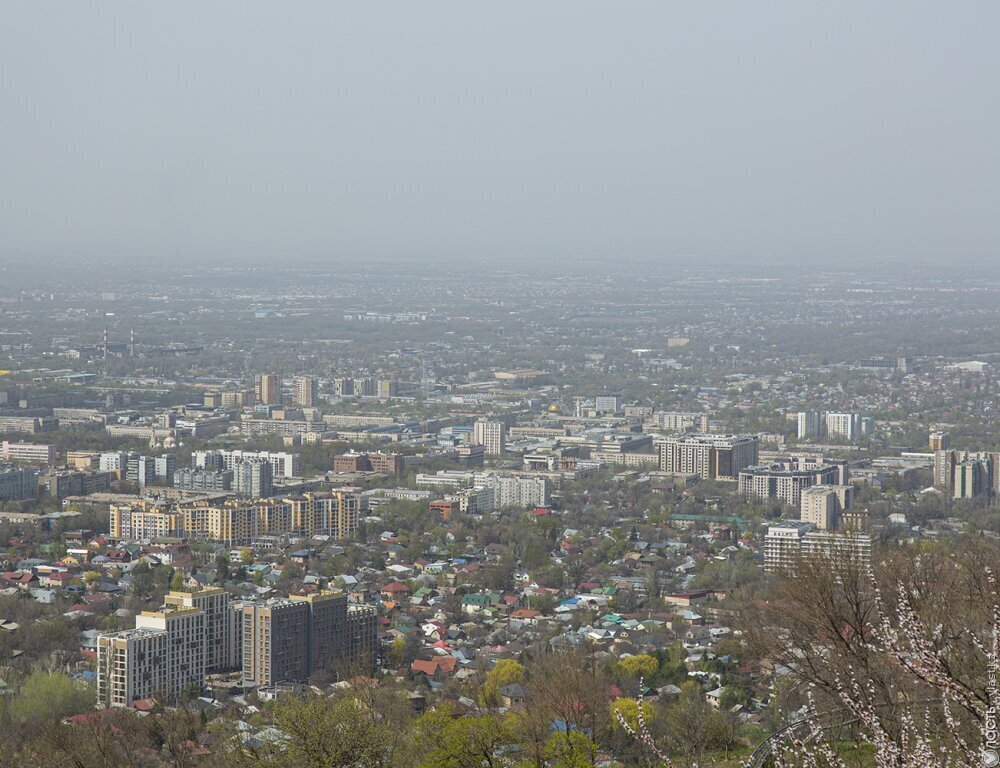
x=438, y=668
x=714, y=697
x=395, y=591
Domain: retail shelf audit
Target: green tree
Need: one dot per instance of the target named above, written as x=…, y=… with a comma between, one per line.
x=643, y=665
x=443, y=741
x=629, y=710
x=505, y=672
x=45, y=697
x=143, y=581
x=177, y=581
x=328, y=733
x=571, y=749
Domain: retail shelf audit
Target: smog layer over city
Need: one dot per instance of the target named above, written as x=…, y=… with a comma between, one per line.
x=521, y=385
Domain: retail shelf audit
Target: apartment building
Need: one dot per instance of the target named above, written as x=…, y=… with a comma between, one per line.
x=335, y=514
x=810, y=424
x=283, y=464
x=386, y=388
x=198, y=633
x=823, y=505
x=203, y=480
x=393, y=464
x=827, y=544
x=972, y=478
x=711, y=457
x=58, y=484
x=239, y=523
x=364, y=387
x=238, y=398
x=788, y=478
x=967, y=474
x=274, y=646
x=290, y=639
x=492, y=435
x=471, y=456
x=221, y=637
x=17, y=484
x=130, y=666
x=28, y=424
x=356, y=421
x=163, y=656
x=783, y=544
x=142, y=522
x=850, y=426
x=28, y=453
x=787, y=542
x=113, y=461
x=138, y=469
x=164, y=468
x=267, y=388
x=629, y=460
x=680, y=421
x=305, y=391
x=939, y=441
x=361, y=637
x=253, y=478
x=514, y=490
x=473, y=501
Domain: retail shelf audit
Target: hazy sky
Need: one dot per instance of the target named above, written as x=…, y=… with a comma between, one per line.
x=745, y=129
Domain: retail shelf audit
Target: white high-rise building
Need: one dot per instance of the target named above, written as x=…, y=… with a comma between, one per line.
x=164, y=468
x=846, y=425
x=514, y=491
x=113, y=461
x=129, y=666
x=785, y=543
x=282, y=464
x=253, y=478
x=678, y=421
x=163, y=656
x=608, y=404
x=492, y=435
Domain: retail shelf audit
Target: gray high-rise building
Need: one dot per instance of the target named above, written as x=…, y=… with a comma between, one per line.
x=292, y=639
x=810, y=424
x=17, y=484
